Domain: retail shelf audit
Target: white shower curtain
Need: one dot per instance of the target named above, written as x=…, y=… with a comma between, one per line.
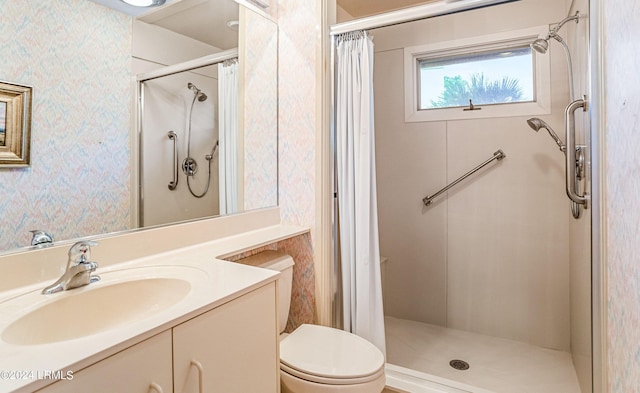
x=357, y=202
x=228, y=136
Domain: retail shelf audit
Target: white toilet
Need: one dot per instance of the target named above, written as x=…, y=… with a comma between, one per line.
x=319, y=359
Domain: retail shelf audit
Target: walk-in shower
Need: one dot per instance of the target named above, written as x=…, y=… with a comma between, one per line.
x=488, y=287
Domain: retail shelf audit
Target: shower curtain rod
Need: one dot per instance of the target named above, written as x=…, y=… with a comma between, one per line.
x=411, y=14
x=189, y=65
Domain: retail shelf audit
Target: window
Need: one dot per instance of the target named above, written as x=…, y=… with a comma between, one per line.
x=498, y=73
x=498, y=77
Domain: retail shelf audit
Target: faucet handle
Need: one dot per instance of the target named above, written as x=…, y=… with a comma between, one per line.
x=41, y=238
x=80, y=252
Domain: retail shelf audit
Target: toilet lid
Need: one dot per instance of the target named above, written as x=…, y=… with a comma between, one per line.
x=330, y=353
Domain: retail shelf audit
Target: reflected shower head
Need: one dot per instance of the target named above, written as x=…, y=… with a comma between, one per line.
x=199, y=94
x=536, y=124
x=540, y=45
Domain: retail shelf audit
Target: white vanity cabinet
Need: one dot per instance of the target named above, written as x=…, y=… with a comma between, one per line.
x=143, y=368
x=230, y=349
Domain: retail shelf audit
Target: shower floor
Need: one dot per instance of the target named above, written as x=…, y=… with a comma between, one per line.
x=497, y=365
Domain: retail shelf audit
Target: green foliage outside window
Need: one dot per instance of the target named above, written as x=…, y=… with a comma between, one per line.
x=457, y=91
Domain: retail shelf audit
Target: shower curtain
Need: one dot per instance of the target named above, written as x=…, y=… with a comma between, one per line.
x=357, y=202
x=228, y=125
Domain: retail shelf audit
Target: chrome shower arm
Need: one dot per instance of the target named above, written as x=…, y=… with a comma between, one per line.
x=555, y=30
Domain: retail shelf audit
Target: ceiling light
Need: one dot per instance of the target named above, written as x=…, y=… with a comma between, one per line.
x=233, y=25
x=144, y=3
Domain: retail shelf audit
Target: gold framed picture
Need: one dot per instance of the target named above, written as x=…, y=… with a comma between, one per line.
x=15, y=124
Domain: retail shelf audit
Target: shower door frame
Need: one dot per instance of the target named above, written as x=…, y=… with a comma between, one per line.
x=596, y=113
x=160, y=73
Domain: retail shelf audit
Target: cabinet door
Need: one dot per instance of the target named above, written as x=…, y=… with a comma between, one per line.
x=231, y=349
x=135, y=370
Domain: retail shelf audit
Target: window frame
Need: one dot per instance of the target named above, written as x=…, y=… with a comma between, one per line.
x=541, y=104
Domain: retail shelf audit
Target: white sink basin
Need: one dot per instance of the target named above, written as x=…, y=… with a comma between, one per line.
x=121, y=297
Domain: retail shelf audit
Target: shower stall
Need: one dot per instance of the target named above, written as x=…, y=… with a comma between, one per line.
x=181, y=122
x=487, y=287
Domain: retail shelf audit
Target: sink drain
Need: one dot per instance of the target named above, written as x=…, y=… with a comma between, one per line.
x=459, y=364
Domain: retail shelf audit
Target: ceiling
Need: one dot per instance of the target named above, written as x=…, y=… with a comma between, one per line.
x=360, y=8
x=202, y=20
x=118, y=5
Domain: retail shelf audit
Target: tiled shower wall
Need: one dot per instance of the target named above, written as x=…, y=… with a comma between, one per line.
x=490, y=256
x=76, y=56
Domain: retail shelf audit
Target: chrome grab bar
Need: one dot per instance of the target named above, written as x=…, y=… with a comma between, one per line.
x=570, y=137
x=174, y=183
x=498, y=155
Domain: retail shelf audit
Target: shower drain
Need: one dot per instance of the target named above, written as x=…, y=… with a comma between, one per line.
x=459, y=364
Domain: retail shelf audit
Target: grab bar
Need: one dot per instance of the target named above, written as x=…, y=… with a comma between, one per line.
x=174, y=183
x=498, y=155
x=570, y=156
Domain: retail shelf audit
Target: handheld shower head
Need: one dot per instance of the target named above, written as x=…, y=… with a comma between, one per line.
x=536, y=124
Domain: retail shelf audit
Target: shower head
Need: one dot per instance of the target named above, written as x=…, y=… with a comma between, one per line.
x=540, y=45
x=199, y=94
x=536, y=124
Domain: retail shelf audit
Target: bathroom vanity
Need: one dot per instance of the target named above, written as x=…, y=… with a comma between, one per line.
x=230, y=348
x=180, y=320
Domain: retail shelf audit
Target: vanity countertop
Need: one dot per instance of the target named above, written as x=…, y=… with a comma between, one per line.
x=213, y=282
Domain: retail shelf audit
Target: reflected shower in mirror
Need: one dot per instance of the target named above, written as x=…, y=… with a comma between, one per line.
x=84, y=176
x=189, y=163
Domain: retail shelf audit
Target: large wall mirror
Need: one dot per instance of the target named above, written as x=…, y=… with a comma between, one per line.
x=100, y=133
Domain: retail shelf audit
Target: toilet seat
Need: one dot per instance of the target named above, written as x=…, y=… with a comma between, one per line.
x=330, y=381
x=330, y=356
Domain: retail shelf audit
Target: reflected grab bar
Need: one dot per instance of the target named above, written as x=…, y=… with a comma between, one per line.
x=498, y=155
x=174, y=183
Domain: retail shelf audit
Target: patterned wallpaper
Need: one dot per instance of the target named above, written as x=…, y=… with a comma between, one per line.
x=76, y=56
x=260, y=112
x=297, y=111
x=622, y=84
x=298, y=47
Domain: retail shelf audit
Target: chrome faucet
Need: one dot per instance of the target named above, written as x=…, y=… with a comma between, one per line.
x=41, y=238
x=79, y=269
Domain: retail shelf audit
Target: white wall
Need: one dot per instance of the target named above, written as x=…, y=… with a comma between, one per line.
x=492, y=256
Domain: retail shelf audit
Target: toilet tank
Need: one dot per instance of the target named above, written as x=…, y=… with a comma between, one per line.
x=279, y=261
